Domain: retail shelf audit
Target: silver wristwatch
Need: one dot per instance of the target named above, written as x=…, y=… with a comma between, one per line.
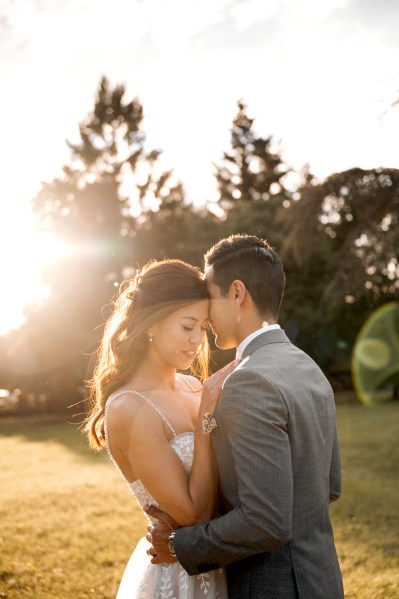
x=171, y=544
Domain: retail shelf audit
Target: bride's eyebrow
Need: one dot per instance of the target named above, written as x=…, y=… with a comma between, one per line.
x=193, y=318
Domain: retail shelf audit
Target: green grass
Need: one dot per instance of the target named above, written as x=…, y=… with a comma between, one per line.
x=68, y=523
x=366, y=518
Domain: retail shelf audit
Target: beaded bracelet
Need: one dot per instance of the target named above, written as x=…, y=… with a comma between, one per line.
x=208, y=423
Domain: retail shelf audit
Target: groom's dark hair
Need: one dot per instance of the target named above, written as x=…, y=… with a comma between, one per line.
x=253, y=261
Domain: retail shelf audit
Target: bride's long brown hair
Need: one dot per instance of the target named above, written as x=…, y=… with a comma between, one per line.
x=158, y=290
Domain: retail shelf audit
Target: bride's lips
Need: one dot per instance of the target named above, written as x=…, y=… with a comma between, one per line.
x=190, y=353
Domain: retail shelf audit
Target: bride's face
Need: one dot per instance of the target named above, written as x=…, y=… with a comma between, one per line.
x=177, y=338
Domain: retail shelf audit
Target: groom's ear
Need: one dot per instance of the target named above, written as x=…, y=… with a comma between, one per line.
x=238, y=289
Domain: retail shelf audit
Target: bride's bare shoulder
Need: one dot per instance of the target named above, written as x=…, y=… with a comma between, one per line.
x=129, y=415
x=124, y=404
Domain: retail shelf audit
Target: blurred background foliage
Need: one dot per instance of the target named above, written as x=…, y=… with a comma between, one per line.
x=116, y=208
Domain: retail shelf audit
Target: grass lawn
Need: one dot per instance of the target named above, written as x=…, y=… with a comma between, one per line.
x=68, y=522
x=366, y=518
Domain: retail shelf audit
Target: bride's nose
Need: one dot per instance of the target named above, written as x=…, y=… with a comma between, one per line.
x=196, y=337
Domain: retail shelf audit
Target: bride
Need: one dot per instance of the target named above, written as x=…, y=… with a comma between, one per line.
x=156, y=422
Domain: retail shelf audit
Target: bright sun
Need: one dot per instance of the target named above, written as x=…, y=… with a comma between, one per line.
x=23, y=254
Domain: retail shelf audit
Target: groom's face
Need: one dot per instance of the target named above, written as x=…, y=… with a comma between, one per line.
x=222, y=313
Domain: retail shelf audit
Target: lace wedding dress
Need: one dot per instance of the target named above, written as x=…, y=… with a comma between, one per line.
x=143, y=580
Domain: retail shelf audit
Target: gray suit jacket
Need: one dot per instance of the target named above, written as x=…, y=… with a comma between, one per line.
x=279, y=467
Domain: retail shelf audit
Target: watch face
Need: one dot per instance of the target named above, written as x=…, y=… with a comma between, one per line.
x=171, y=546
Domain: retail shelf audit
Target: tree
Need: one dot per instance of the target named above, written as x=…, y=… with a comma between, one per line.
x=342, y=236
x=251, y=181
x=357, y=212
x=92, y=209
x=176, y=229
x=109, y=179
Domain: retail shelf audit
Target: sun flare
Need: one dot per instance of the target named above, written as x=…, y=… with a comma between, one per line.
x=24, y=254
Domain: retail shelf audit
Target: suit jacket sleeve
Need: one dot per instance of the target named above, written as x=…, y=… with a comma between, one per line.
x=335, y=471
x=255, y=419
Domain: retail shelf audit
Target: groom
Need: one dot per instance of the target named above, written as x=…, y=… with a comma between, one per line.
x=275, y=445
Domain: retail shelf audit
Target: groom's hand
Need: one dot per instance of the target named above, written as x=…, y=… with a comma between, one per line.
x=158, y=535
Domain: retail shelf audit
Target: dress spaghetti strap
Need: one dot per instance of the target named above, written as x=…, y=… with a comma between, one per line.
x=146, y=399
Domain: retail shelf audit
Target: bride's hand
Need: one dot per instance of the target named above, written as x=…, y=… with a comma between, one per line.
x=213, y=386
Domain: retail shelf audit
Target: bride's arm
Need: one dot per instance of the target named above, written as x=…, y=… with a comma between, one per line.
x=187, y=498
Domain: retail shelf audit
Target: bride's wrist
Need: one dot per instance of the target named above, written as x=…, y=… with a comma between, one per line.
x=206, y=409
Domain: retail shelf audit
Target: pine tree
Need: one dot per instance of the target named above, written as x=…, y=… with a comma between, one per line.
x=250, y=180
x=110, y=178
x=92, y=208
x=176, y=229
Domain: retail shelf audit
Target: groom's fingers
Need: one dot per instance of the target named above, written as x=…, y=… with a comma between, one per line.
x=221, y=374
x=160, y=515
x=229, y=368
x=159, y=542
x=214, y=384
x=164, y=558
x=155, y=512
x=151, y=510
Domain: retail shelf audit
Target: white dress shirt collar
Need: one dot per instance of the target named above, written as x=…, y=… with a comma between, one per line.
x=247, y=340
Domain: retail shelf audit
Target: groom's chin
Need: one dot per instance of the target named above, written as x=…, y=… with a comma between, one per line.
x=223, y=343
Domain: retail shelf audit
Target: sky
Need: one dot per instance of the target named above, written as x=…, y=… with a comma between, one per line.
x=318, y=75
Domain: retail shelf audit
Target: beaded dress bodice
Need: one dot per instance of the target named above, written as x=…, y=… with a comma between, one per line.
x=182, y=444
